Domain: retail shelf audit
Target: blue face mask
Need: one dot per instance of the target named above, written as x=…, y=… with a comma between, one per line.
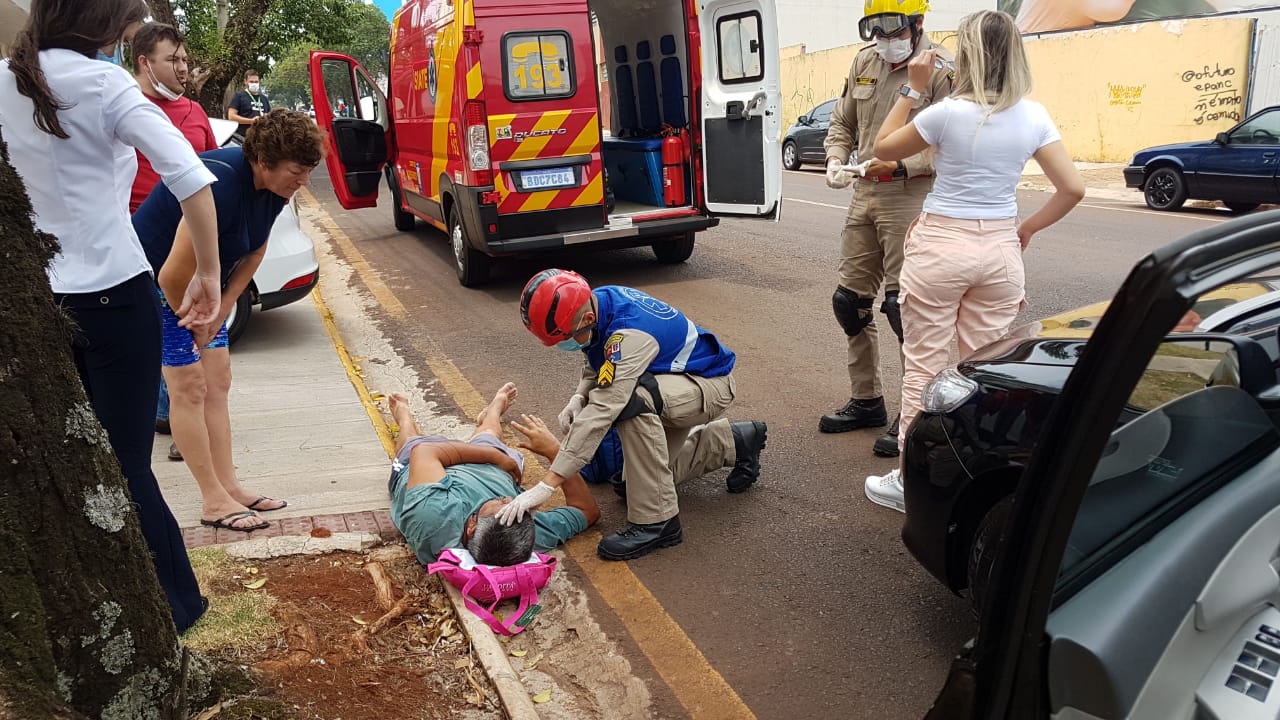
x=570, y=345
x=117, y=58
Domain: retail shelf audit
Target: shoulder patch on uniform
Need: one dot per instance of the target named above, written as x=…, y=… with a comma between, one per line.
x=605, y=378
x=613, y=347
x=863, y=80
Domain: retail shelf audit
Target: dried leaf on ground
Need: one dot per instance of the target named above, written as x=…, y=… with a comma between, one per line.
x=519, y=653
x=358, y=620
x=532, y=664
x=256, y=583
x=542, y=697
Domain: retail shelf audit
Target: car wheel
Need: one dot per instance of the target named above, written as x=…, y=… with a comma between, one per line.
x=405, y=221
x=1165, y=189
x=790, y=156
x=472, y=266
x=1241, y=207
x=675, y=249
x=982, y=553
x=238, y=319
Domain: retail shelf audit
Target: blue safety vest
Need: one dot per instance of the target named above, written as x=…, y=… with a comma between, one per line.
x=683, y=347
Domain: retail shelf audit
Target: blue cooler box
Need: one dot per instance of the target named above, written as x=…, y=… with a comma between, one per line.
x=635, y=169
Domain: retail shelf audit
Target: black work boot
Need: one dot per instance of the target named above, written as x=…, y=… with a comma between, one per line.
x=635, y=540
x=854, y=415
x=748, y=440
x=887, y=444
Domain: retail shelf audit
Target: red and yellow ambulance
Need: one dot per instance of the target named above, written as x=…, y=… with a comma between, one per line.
x=491, y=129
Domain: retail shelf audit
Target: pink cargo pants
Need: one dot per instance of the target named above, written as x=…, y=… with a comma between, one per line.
x=961, y=280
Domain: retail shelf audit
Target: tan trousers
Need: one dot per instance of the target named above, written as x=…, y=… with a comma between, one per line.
x=961, y=280
x=871, y=254
x=659, y=452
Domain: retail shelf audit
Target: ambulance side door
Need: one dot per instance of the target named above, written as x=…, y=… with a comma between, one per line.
x=741, y=107
x=352, y=112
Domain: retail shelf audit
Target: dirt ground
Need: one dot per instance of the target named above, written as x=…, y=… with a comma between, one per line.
x=329, y=645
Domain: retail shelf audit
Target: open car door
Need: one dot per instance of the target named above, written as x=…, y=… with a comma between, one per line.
x=1146, y=587
x=353, y=113
x=741, y=107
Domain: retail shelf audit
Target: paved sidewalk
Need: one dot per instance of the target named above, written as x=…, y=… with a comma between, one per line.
x=300, y=433
x=1102, y=181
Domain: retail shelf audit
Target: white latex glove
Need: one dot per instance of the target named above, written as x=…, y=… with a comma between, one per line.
x=524, y=502
x=570, y=411
x=837, y=176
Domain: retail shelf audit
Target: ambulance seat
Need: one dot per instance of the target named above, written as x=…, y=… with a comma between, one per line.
x=625, y=91
x=673, y=111
x=647, y=89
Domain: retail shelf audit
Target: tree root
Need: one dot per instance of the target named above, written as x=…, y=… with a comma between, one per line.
x=381, y=584
x=301, y=640
x=360, y=638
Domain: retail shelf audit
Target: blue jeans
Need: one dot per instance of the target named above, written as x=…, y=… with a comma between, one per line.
x=162, y=403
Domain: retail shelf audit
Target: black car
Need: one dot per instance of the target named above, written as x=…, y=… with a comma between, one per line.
x=1135, y=572
x=803, y=141
x=1237, y=167
x=970, y=448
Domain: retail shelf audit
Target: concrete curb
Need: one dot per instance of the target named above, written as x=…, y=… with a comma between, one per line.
x=515, y=699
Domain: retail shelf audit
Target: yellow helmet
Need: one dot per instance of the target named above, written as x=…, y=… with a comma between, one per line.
x=887, y=18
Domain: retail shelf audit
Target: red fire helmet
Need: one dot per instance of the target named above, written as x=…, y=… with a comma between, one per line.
x=549, y=302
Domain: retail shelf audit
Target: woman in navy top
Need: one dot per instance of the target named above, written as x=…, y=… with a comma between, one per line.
x=254, y=183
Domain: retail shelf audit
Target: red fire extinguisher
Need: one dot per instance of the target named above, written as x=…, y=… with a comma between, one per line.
x=673, y=169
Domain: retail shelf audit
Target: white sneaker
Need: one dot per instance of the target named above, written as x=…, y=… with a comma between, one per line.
x=886, y=490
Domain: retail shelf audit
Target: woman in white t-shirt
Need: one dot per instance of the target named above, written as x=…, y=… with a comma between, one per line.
x=962, y=274
x=71, y=123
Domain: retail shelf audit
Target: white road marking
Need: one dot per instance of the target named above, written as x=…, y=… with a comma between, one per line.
x=1169, y=215
x=811, y=202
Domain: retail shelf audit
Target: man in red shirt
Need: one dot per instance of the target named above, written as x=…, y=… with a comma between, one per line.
x=161, y=61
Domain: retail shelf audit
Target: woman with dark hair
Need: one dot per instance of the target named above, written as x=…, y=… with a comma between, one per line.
x=67, y=117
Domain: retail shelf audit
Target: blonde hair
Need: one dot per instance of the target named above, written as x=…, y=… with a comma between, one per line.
x=991, y=65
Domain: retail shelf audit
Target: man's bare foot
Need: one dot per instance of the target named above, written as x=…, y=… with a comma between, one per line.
x=400, y=411
x=501, y=402
x=540, y=441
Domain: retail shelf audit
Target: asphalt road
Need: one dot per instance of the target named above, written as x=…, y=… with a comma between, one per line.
x=799, y=593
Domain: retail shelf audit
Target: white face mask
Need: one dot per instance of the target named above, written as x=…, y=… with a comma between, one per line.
x=893, y=51
x=164, y=91
x=254, y=88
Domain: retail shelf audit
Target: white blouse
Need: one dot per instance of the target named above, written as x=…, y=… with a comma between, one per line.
x=78, y=188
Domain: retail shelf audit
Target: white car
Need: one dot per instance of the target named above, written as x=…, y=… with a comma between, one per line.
x=289, y=270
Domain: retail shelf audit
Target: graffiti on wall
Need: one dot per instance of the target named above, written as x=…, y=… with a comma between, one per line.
x=1126, y=96
x=1217, y=93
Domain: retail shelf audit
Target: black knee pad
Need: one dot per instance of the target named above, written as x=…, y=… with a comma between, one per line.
x=852, y=312
x=893, y=313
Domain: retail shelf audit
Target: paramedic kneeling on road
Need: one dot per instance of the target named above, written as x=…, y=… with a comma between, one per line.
x=654, y=375
x=446, y=494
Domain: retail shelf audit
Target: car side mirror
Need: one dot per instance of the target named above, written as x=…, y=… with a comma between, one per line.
x=1222, y=138
x=803, y=119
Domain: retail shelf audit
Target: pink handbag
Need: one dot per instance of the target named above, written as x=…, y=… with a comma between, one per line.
x=491, y=584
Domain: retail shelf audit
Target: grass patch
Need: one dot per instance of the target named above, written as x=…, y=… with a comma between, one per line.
x=238, y=625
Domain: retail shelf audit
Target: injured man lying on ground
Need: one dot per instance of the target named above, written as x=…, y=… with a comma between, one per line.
x=446, y=493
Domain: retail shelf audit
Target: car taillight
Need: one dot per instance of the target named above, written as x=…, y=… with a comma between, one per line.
x=298, y=282
x=476, y=121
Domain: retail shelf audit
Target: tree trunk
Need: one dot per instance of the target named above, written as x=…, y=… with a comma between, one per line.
x=162, y=12
x=239, y=30
x=85, y=630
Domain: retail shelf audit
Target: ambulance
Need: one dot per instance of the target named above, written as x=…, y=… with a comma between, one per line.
x=492, y=125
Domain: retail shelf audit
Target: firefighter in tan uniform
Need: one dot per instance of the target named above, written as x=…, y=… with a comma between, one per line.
x=887, y=197
x=661, y=380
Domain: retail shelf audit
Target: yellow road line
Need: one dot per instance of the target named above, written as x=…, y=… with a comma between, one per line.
x=353, y=373
x=702, y=691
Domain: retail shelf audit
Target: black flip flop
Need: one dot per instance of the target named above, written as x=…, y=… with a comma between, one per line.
x=263, y=498
x=225, y=521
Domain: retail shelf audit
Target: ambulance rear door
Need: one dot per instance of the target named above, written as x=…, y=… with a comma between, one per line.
x=352, y=112
x=741, y=107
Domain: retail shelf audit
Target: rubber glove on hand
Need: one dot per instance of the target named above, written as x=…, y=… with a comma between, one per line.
x=513, y=511
x=570, y=411
x=837, y=176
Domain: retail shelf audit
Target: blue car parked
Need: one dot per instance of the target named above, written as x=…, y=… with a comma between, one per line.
x=1237, y=167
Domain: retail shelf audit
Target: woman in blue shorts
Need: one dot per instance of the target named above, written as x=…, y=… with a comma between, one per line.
x=254, y=183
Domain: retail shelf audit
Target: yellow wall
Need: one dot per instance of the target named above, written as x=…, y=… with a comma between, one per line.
x=1111, y=90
